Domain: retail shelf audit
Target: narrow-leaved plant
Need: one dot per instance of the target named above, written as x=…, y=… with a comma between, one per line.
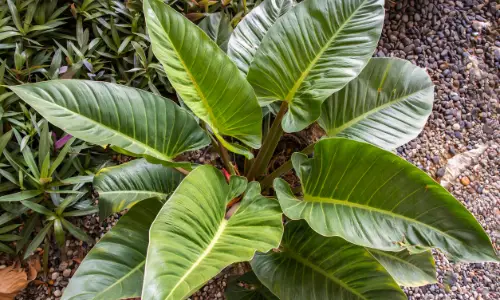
x=363, y=221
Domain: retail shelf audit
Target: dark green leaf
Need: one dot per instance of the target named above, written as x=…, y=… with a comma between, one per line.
x=218, y=27
x=408, y=269
x=105, y=113
x=311, y=266
x=114, y=268
x=122, y=186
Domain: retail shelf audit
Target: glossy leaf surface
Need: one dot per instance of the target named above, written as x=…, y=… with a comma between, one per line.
x=311, y=266
x=248, y=35
x=114, y=268
x=105, y=113
x=191, y=241
x=218, y=27
x=373, y=198
x=312, y=52
x=387, y=105
x=122, y=186
x=206, y=79
x=408, y=269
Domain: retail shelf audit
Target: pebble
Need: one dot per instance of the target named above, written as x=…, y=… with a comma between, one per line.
x=465, y=180
x=67, y=273
x=55, y=275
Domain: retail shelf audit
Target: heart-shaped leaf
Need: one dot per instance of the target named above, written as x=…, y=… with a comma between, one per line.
x=248, y=35
x=408, y=269
x=191, y=241
x=387, y=105
x=114, y=268
x=373, y=198
x=206, y=79
x=122, y=186
x=311, y=266
x=312, y=52
x=105, y=113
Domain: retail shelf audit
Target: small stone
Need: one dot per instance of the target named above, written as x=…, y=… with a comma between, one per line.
x=67, y=273
x=465, y=180
x=456, y=126
x=54, y=275
x=57, y=293
x=440, y=172
x=63, y=266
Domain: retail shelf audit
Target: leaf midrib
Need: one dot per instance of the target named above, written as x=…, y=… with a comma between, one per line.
x=306, y=72
x=296, y=256
x=122, y=278
x=203, y=255
x=148, y=148
x=203, y=99
x=364, y=115
x=316, y=199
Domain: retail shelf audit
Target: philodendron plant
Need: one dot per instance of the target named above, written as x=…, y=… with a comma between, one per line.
x=363, y=221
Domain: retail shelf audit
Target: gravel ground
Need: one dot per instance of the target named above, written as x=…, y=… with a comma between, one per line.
x=456, y=42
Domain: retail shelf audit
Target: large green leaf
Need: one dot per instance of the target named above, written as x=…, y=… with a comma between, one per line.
x=114, y=268
x=386, y=105
x=248, y=35
x=105, y=113
x=312, y=52
x=206, y=79
x=218, y=27
x=373, y=198
x=408, y=269
x=311, y=266
x=191, y=240
x=122, y=186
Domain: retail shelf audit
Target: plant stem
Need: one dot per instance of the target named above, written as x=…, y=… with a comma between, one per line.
x=224, y=155
x=183, y=171
x=225, y=159
x=268, y=180
x=267, y=150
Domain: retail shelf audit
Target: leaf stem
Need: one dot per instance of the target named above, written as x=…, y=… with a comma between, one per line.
x=267, y=150
x=225, y=159
x=268, y=180
x=183, y=171
x=219, y=147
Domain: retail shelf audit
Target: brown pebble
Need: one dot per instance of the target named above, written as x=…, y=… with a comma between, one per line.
x=465, y=180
